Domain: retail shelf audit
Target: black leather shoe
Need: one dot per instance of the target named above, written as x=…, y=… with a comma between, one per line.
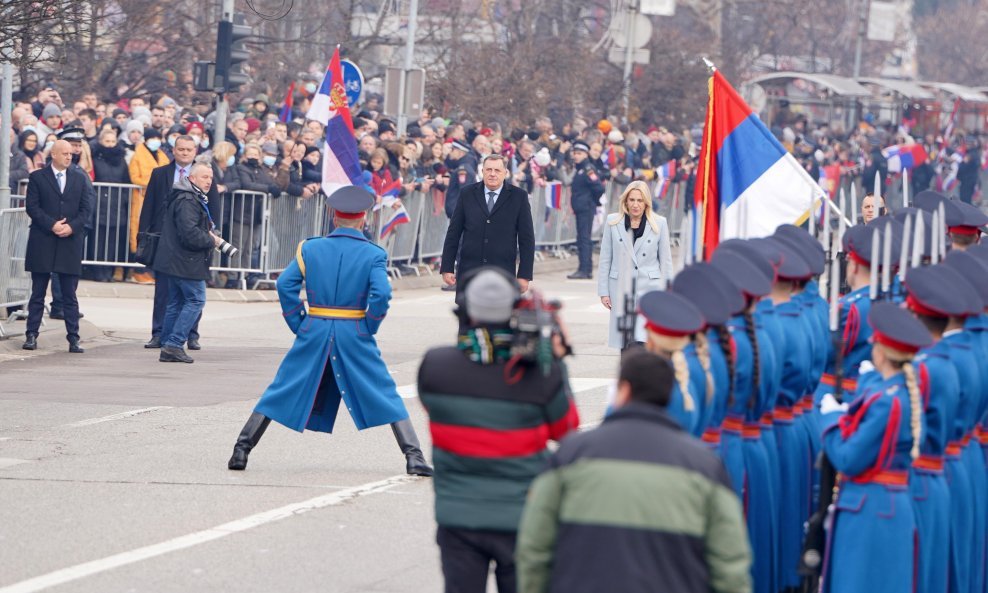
x=154, y=342
x=580, y=275
x=448, y=288
x=193, y=344
x=30, y=342
x=57, y=315
x=172, y=354
x=75, y=348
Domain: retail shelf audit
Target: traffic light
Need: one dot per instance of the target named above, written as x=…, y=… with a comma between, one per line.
x=231, y=52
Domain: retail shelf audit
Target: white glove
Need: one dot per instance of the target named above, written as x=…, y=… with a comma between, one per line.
x=829, y=404
x=865, y=367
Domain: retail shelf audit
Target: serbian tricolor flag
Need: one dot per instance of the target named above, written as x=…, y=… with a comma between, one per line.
x=340, y=163
x=904, y=157
x=830, y=179
x=393, y=213
x=286, y=108
x=747, y=184
x=554, y=195
x=663, y=177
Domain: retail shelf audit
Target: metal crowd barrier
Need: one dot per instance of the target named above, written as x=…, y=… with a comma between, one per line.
x=111, y=227
x=432, y=228
x=15, y=282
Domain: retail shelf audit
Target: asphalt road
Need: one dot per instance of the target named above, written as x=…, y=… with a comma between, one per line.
x=113, y=466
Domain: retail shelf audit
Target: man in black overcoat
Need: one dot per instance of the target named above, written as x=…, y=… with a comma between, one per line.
x=493, y=221
x=59, y=209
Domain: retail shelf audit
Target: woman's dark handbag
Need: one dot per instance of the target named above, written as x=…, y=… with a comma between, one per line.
x=147, y=246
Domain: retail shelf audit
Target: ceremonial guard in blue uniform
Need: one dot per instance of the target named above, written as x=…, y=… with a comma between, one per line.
x=792, y=439
x=872, y=444
x=669, y=321
x=698, y=284
x=976, y=274
x=335, y=356
x=760, y=502
x=931, y=297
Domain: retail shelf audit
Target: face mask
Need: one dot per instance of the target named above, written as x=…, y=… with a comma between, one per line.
x=269, y=160
x=48, y=145
x=171, y=140
x=310, y=87
x=153, y=144
x=205, y=142
x=253, y=162
x=196, y=140
x=230, y=161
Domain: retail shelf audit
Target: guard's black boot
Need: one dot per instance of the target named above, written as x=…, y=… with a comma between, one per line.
x=409, y=444
x=255, y=427
x=30, y=342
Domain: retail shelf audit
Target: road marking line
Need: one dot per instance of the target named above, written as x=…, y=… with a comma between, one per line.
x=79, y=571
x=119, y=416
x=578, y=385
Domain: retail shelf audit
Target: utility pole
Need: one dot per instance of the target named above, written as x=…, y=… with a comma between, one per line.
x=862, y=31
x=413, y=10
x=629, y=49
x=6, y=99
x=222, y=107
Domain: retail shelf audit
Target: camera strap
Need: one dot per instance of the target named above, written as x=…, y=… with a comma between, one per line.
x=212, y=225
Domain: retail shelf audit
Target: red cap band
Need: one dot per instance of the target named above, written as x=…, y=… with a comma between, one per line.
x=887, y=341
x=665, y=331
x=349, y=215
x=921, y=309
x=964, y=230
x=858, y=259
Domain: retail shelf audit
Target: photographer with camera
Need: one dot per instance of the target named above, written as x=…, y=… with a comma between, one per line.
x=187, y=242
x=494, y=401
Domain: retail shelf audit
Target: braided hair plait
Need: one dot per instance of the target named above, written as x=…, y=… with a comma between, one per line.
x=703, y=355
x=756, y=373
x=915, y=407
x=682, y=373
x=724, y=339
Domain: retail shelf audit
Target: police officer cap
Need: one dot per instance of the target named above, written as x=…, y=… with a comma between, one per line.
x=459, y=145
x=580, y=145
x=791, y=265
x=670, y=314
x=351, y=200
x=974, y=271
x=914, y=214
x=744, y=275
x=704, y=286
x=894, y=327
x=928, y=200
x=748, y=251
x=808, y=247
x=490, y=296
x=938, y=291
x=964, y=218
x=72, y=134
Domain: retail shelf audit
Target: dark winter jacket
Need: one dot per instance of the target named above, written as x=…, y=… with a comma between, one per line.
x=112, y=203
x=185, y=246
x=45, y=204
x=254, y=177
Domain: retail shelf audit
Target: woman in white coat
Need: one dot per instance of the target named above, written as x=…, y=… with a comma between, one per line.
x=640, y=238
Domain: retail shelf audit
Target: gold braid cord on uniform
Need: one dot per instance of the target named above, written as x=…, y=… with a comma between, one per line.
x=683, y=378
x=703, y=355
x=298, y=257
x=915, y=407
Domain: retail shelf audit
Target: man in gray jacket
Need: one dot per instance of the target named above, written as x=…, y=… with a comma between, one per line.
x=187, y=241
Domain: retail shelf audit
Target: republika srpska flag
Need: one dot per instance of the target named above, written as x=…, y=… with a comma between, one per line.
x=746, y=183
x=340, y=163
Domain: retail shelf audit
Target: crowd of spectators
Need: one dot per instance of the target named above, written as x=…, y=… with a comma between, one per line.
x=127, y=138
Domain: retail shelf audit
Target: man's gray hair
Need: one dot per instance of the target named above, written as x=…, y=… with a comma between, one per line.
x=494, y=157
x=197, y=167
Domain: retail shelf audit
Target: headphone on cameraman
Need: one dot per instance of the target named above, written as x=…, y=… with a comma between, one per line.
x=461, y=311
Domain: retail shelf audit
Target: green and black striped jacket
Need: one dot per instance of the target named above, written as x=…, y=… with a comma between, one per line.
x=489, y=436
x=636, y=506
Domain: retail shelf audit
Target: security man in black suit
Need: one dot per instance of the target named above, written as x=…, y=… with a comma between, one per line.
x=152, y=216
x=586, y=191
x=58, y=205
x=493, y=220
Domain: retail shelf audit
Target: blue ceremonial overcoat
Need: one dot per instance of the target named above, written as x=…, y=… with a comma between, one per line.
x=870, y=547
x=342, y=271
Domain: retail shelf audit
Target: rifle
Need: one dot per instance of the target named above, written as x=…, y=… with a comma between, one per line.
x=811, y=559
